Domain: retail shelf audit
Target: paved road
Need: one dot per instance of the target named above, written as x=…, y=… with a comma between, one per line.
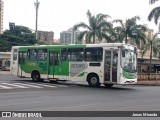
x=25, y=95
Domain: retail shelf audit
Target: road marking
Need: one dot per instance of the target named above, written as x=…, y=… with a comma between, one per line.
x=45, y=85
x=13, y=84
x=5, y=87
x=28, y=85
x=61, y=85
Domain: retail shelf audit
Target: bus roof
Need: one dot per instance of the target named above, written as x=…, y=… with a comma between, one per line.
x=74, y=45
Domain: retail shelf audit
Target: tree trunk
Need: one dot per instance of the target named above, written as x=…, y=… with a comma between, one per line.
x=150, y=62
x=126, y=38
x=93, y=39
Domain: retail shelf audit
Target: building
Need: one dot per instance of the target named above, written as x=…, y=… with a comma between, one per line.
x=46, y=37
x=69, y=37
x=1, y=16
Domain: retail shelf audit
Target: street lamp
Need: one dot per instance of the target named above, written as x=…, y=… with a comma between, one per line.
x=36, y=6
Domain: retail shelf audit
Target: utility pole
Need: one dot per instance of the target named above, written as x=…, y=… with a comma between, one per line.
x=36, y=6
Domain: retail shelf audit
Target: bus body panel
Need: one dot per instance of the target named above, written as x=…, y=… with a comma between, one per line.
x=14, y=61
x=52, y=66
x=80, y=70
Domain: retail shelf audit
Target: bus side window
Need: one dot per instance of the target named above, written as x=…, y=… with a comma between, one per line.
x=15, y=52
x=93, y=54
x=64, y=55
x=22, y=57
x=75, y=54
x=42, y=54
x=80, y=54
x=51, y=58
x=98, y=53
x=56, y=58
x=32, y=54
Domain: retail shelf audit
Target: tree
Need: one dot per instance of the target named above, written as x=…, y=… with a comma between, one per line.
x=152, y=1
x=155, y=13
x=118, y=32
x=152, y=45
x=129, y=29
x=98, y=28
x=19, y=36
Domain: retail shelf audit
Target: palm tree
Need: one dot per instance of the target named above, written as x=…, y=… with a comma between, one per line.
x=152, y=45
x=98, y=28
x=155, y=13
x=130, y=29
x=152, y=1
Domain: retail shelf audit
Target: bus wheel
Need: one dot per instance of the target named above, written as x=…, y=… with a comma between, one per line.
x=93, y=80
x=108, y=85
x=36, y=76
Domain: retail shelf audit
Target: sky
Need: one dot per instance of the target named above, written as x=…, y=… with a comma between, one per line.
x=60, y=15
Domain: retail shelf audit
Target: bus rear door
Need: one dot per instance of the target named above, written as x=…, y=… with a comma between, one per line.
x=14, y=62
x=53, y=64
x=21, y=63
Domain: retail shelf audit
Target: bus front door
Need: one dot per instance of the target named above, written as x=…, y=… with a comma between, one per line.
x=111, y=60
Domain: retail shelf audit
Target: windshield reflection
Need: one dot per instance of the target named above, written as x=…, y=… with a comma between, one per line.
x=128, y=60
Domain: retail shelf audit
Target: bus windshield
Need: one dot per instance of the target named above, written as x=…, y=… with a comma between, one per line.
x=128, y=60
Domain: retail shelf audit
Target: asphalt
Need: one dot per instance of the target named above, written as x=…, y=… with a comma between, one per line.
x=140, y=82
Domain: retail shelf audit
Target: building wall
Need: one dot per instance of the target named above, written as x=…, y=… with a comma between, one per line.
x=1, y=16
x=69, y=37
x=46, y=37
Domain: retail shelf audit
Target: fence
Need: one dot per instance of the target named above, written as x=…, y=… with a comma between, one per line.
x=145, y=76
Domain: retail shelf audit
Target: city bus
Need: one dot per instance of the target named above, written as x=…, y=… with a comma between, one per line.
x=105, y=63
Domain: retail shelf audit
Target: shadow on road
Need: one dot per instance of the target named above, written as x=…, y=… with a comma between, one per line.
x=115, y=87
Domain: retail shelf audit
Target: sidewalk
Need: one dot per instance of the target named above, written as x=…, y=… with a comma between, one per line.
x=149, y=82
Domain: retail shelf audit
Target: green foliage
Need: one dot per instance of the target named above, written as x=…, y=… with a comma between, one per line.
x=155, y=13
x=129, y=29
x=152, y=45
x=19, y=36
x=152, y=1
x=97, y=28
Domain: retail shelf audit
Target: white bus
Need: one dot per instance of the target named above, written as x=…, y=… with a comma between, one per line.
x=107, y=63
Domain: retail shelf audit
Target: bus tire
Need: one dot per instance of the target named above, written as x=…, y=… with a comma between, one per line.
x=36, y=76
x=108, y=85
x=93, y=80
